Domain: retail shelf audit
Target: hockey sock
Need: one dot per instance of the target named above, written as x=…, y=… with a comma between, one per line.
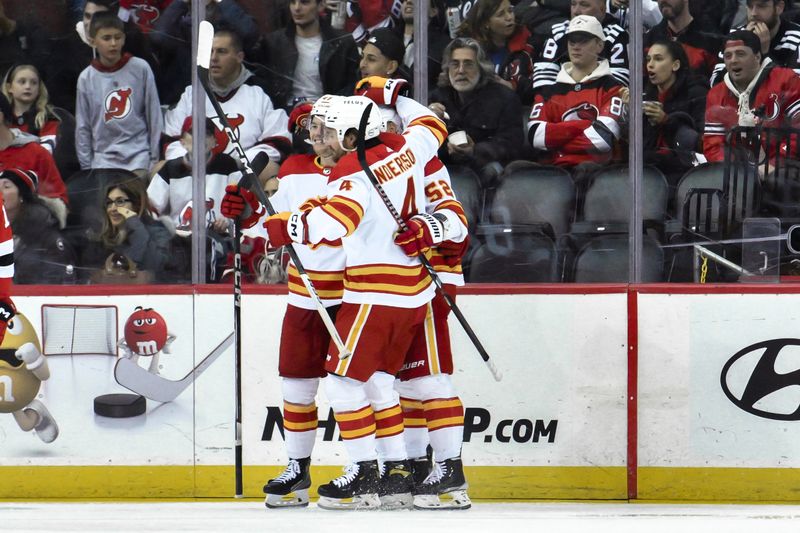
x=300, y=417
x=445, y=419
x=388, y=417
x=354, y=416
x=416, y=428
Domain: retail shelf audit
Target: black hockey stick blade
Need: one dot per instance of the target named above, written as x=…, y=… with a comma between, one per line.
x=361, y=153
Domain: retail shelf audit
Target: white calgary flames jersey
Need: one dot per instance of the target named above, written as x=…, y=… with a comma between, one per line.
x=377, y=271
x=441, y=198
x=301, y=178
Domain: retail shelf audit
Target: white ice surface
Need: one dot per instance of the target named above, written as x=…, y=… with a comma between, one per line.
x=241, y=516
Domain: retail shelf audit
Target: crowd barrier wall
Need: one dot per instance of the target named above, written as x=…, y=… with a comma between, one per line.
x=610, y=392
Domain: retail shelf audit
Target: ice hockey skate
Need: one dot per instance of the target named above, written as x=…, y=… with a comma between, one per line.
x=420, y=469
x=445, y=488
x=290, y=489
x=357, y=489
x=396, y=485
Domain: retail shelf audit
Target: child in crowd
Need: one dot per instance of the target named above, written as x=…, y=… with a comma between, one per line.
x=118, y=115
x=170, y=190
x=28, y=96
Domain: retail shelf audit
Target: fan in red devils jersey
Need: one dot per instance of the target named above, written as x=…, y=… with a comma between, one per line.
x=753, y=91
x=701, y=48
x=576, y=120
x=779, y=38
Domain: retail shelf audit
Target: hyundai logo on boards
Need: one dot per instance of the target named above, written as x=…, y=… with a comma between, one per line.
x=763, y=379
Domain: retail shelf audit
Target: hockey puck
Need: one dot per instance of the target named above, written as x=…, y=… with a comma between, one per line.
x=120, y=405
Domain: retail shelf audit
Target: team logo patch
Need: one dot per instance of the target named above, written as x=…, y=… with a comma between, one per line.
x=219, y=132
x=772, y=108
x=145, y=15
x=118, y=104
x=584, y=111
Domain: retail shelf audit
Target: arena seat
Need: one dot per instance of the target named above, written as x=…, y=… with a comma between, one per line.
x=514, y=254
x=534, y=194
x=605, y=258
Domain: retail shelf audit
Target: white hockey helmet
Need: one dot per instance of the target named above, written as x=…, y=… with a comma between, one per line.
x=345, y=114
x=389, y=115
x=322, y=105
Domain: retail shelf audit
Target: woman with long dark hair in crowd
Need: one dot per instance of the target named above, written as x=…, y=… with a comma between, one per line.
x=507, y=44
x=674, y=108
x=129, y=231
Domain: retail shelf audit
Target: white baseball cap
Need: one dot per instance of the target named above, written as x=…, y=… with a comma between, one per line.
x=586, y=24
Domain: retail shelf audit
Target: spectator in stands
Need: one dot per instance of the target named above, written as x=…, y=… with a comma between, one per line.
x=674, y=107
x=23, y=151
x=41, y=254
x=73, y=54
x=753, y=91
x=488, y=112
x=620, y=10
x=118, y=115
x=21, y=42
x=576, y=120
x=383, y=56
x=308, y=58
x=779, y=38
x=170, y=190
x=129, y=230
x=30, y=101
x=702, y=48
x=492, y=23
x=172, y=41
x=365, y=16
x=718, y=16
x=262, y=129
x=438, y=37
x=551, y=50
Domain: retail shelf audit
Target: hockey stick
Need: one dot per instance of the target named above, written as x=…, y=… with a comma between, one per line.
x=205, y=39
x=362, y=159
x=132, y=376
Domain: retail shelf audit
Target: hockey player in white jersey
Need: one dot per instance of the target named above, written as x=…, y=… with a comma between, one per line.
x=303, y=181
x=432, y=411
x=385, y=291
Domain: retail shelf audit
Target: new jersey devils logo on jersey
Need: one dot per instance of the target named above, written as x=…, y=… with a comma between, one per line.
x=145, y=14
x=219, y=133
x=118, y=104
x=584, y=111
x=772, y=108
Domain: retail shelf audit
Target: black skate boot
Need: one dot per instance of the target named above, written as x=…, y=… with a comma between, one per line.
x=397, y=485
x=445, y=488
x=290, y=489
x=357, y=489
x=420, y=468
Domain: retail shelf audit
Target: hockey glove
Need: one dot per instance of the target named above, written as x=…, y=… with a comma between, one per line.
x=287, y=227
x=242, y=205
x=453, y=252
x=382, y=91
x=424, y=232
x=298, y=118
x=7, y=312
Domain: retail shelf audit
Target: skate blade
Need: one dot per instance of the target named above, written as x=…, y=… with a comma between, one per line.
x=298, y=498
x=392, y=502
x=364, y=502
x=456, y=500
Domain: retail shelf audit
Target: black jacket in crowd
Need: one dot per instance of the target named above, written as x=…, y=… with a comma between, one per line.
x=338, y=63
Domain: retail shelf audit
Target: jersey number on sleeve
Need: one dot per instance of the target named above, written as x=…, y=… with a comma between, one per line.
x=437, y=190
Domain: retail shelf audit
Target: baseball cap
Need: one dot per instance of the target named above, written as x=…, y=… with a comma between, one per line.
x=745, y=38
x=586, y=24
x=388, y=43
